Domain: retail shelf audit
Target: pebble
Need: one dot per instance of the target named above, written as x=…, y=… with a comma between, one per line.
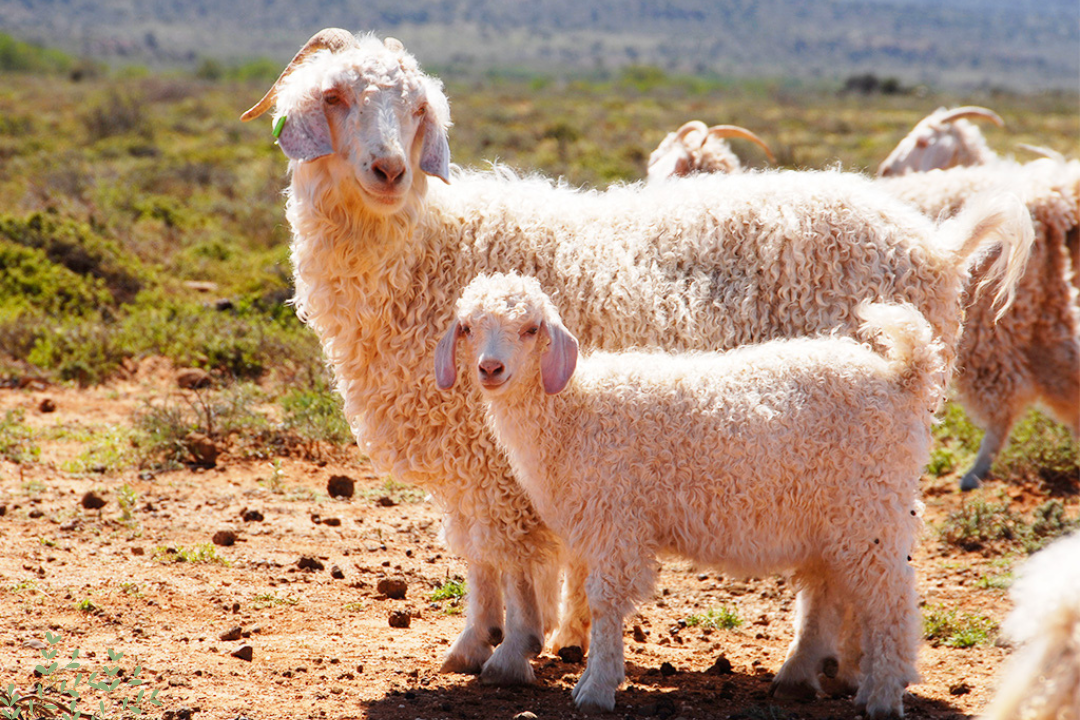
x=639, y=634
x=224, y=538
x=92, y=501
x=244, y=652
x=332, y=522
x=400, y=619
x=960, y=688
x=252, y=515
x=667, y=669
x=384, y=501
x=337, y=573
x=309, y=563
x=393, y=588
x=193, y=379
x=525, y=716
x=340, y=486
x=722, y=666
x=47, y=405
x=233, y=633
x=572, y=654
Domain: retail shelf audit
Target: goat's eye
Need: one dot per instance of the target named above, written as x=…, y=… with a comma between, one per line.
x=331, y=97
x=420, y=111
x=531, y=330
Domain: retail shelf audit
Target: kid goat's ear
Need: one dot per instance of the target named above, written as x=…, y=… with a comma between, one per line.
x=446, y=358
x=559, y=360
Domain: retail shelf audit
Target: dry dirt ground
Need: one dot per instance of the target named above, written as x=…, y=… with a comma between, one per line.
x=320, y=638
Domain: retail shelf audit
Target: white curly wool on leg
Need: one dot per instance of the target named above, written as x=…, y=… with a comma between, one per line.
x=483, y=622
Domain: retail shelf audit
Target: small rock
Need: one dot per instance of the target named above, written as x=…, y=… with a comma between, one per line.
x=332, y=522
x=35, y=514
x=3, y=510
x=639, y=634
x=69, y=525
x=525, y=716
x=316, y=518
x=309, y=563
x=193, y=379
x=183, y=713
x=233, y=633
x=400, y=619
x=722, y=666
x=224, y=538
x=337, y=573
x=572, y=654
x=204, y=451
x=340, y=486
x=136, y=550
x=92, y=501
x=35, y=644
x=667, y=669
x=47, y=405
x=960, y=688
x=393, y=588
x=385, y=501
x=244, y=652
x=252, y=516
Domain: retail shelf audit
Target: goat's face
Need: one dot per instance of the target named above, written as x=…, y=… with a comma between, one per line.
x=373, y=112
x=941, y=140
x=674, y=156
x=505, y=334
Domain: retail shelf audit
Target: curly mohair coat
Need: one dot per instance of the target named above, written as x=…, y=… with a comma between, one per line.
x=708, y=262
x=1031, y=353
x=1042, y=680
x=798, y=456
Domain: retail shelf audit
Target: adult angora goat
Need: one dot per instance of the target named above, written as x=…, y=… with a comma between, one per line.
x=711, y=262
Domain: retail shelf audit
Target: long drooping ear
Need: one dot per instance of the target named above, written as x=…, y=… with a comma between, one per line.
x=446, y=358
x=559, y=360
x=435, y=150
x=306, y=134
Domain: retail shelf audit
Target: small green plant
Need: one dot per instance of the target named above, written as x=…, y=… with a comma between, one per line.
x=316, y=415
x=17, y=439
x=1040, y=448
x=1001, y=581
x=202, y=553
x=68, y=689
x=398, y=492
x=947, y=627
x=275, y=482
x=127, y=499
x=108, y=449
x=722, y=618
x=355, y=607
x=266, y=600
x=131, y=589
x=452, y=589
x=87, y=606
x=979, y=523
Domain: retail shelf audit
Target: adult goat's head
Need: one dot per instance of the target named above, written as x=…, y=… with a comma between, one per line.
x=695, y=148
x=941, y=140
x=364, y=103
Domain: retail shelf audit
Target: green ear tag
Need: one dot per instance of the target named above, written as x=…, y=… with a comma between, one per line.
x=279, y=125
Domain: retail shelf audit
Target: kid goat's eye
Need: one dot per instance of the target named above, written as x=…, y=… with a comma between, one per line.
x=331, y=98
x=420, y=111
x=532, y=330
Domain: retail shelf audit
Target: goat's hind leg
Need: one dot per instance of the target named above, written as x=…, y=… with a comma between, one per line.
x=819, y=612
x=483, y=622
x=526, y=591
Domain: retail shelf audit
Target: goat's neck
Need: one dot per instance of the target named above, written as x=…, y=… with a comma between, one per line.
x=529, y=425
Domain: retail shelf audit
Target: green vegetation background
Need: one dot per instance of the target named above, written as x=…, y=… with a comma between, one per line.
x=139, y=217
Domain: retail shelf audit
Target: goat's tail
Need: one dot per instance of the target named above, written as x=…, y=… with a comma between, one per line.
x=915, y=356
x=992, y=223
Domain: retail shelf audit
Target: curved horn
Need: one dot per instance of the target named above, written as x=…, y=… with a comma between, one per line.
x=689, y=127
x=734, y=131
x=972, y=111
x=333, y=39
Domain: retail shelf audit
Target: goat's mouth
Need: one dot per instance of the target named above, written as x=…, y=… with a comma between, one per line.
x=384, y=197
x=493, y=384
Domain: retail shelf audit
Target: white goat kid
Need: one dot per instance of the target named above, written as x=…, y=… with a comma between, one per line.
x=796, y=456
x=709, y=262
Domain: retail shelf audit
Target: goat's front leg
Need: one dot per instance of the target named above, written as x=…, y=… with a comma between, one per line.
x=606, y=669
x=574, y=615
x=483, y=622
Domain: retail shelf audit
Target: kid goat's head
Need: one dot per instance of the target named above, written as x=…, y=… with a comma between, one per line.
x=508, y=330
x=366, y=104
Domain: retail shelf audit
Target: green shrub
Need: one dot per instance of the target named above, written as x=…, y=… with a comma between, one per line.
x=1041, y=448
x=316, y=414
x=723, y=618
x=946, y=627
x=29, y=280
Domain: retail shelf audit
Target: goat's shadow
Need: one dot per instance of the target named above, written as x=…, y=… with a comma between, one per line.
x=648, y=693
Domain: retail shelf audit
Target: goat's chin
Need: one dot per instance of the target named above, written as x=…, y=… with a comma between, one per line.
x=493, y=388
x=385, y=202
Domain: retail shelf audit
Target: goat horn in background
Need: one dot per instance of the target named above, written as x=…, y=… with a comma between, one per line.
x=972, y=111
x=333, y=39
x=734, y=131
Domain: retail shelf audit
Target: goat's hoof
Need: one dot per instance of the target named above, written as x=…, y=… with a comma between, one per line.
x=801, y=690
x=970, y=481
x=879, y=711
x=466, y=662
x=506, y=669
x=591, y=699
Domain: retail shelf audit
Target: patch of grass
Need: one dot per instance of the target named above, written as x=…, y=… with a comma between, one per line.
x=24, y=586
x=108, y=449
x=265, y=600
x=87, y=606
x=17, y=439
x=452, y=589
x=958, y=630
x=956, y=441
x=996, y=581
x=316, y=414
x=355, y=607
x=1043, y=449
x=202, y=553
x=398, y=492
x=722, y=618
x=980, y=524
x=132, y=589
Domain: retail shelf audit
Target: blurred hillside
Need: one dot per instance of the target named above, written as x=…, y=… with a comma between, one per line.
x=961, y=44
